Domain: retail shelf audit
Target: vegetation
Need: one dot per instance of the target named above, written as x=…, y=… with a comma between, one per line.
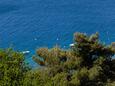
x=12, y=68
x=88, y=63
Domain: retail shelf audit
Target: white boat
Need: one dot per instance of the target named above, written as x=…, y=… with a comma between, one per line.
x=26, y=52
x=71, y=45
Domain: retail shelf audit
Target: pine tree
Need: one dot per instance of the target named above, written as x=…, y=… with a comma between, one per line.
x=88, y=63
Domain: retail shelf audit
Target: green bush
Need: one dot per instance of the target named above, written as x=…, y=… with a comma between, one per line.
x=12, y=68
x=88, y=63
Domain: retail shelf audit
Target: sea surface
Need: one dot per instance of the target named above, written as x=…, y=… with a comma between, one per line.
x=30, y=24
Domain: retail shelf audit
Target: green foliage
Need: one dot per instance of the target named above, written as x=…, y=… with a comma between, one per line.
x=32, y=78
x=95, y=73
x=110, y=84
x=12, y=68
x=79, y=77
x=88, y=63
x=60, y=79
x=89, y=48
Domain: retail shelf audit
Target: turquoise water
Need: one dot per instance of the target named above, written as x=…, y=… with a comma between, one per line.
x=30, y=24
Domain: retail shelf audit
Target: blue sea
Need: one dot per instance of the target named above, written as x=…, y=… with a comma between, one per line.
x=30, y=24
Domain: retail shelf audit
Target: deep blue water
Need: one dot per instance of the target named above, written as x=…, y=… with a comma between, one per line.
x=30, y=24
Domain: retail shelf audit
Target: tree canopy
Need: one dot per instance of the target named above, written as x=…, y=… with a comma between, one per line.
x=88, y=62
x=12, y=68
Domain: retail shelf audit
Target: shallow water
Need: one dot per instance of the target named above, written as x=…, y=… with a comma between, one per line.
x=29, y=24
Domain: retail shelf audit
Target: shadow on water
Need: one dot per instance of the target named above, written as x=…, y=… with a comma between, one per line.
x=6, y=8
